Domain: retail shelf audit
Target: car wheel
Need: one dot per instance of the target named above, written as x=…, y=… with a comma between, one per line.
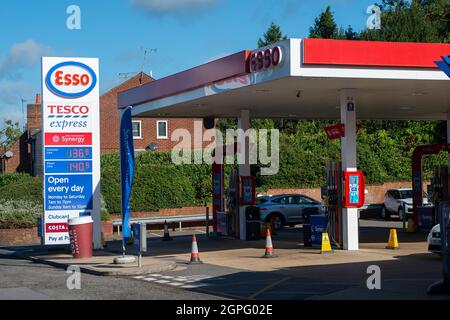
x=278, y=220
x=401, y=213
x=384, y=213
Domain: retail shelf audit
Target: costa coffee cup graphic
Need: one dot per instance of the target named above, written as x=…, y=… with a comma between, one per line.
x=80, y=233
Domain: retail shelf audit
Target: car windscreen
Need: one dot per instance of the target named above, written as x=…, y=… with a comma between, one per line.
x=405, y=194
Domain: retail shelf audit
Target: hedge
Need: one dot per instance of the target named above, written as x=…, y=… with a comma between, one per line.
x=384, y=151
x=157, y=184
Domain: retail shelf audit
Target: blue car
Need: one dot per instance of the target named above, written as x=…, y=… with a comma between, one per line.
x=288, y=209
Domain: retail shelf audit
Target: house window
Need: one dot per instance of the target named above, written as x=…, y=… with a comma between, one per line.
x=137, y=132
x=161, y=130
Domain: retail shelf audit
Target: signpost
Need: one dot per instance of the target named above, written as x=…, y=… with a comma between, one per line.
x=71, y=145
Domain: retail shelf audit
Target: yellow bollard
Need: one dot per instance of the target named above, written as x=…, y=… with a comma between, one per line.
x=326, y=245
x=393, y=240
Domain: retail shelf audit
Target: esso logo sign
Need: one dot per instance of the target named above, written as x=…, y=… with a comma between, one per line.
x=71, y=80
x=266, y=59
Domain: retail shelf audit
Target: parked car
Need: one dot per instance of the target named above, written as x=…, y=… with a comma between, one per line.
x=394, y=200
x=434, y=240
x=262, y=199
x=288, y=209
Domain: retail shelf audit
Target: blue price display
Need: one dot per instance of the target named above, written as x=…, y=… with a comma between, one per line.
x=68, y=153
x=353, y=185
x=68, y=166
x=216, y=184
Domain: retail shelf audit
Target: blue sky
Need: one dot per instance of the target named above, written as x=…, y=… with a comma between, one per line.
x=186, y=33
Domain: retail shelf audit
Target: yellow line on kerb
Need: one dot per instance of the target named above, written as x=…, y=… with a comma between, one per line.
x=270, y=286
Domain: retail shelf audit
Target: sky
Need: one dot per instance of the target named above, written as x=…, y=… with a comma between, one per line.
x=185, y=33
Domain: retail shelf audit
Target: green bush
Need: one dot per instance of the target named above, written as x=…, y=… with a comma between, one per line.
x=19, y=213
x=157, y=184
x=21, y=187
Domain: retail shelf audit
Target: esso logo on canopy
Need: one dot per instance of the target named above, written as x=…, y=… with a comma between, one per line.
x=71, y=79
x=266, y=59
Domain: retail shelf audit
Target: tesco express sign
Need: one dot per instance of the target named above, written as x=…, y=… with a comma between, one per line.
x=71, y=80
x=266, y=59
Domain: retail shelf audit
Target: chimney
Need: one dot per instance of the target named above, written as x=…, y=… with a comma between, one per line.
x=38, y=98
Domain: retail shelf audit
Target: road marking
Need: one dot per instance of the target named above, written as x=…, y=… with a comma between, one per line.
x=149, y=279
x=175, y=284
x=270, y=286
x=139, y=277
x=155, y=234
x=162, y=281
x=167, y=277
x=191, y=286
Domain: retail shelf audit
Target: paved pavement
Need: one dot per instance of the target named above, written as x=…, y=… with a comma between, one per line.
x=25, y=280
x=234, y=269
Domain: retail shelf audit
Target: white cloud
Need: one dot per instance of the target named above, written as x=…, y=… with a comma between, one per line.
x=11, y=91
x=20, y=56
x=175, y=7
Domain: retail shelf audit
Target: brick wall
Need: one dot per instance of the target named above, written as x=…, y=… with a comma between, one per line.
x=20, y=161
x=10, y=237
x=34, y=116
x=375, y=192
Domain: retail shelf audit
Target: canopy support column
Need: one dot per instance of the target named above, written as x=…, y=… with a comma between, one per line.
x=244, y=168
x=448, y=139
x=350, y=227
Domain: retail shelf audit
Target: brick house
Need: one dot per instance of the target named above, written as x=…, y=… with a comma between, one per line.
x=146, y=131
x=27, y=153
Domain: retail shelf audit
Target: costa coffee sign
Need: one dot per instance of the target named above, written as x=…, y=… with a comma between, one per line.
x=71, y=79
x=266, y=59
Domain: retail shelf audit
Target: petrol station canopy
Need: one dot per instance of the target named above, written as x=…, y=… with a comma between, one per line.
x=301, y=78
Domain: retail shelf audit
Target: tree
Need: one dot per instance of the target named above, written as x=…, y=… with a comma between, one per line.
x=438, y=12
x=410, y=22
x=10, y=133
x=324, y=26
x=350, y=34
x=272, y=35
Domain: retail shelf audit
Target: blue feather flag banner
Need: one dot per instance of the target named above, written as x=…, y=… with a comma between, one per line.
x=126, y=169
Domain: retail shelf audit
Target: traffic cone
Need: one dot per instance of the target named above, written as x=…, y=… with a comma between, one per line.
x=393, y=241
x=195, y=258
x=166, y=232
x=269, y=246
x=326, y=245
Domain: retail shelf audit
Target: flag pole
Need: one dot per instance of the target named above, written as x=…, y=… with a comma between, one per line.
x=122, y=110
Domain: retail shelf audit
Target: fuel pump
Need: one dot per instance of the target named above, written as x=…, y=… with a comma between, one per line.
x=232, y=202
x=443, y=287
x=439, y=190
x=333, y=207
